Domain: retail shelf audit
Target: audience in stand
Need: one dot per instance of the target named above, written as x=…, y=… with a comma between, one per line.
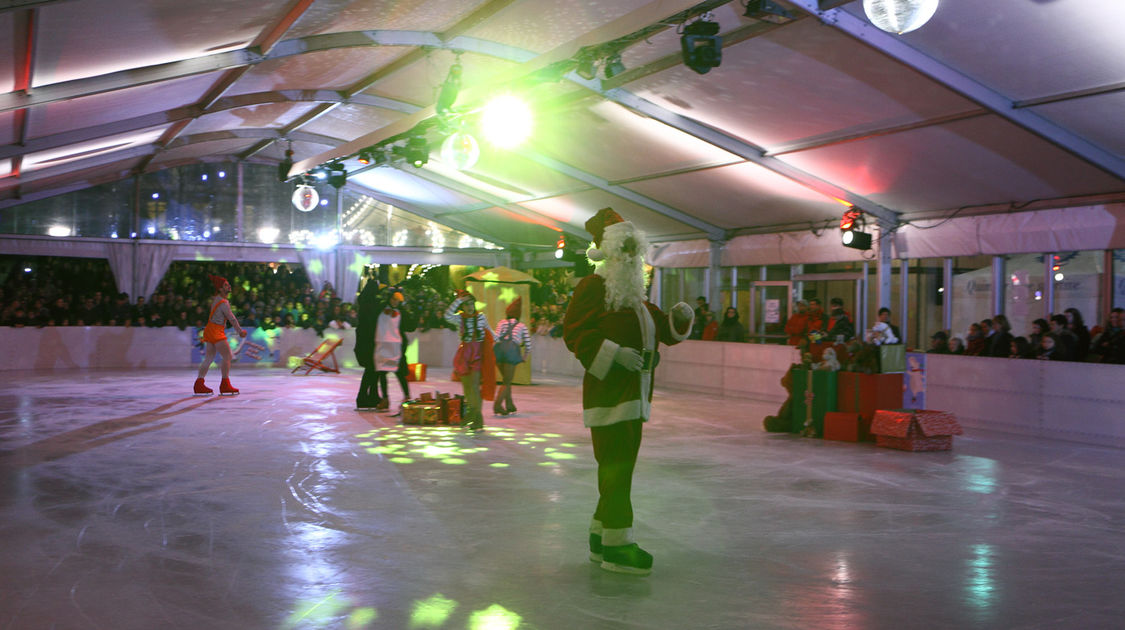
x=976, y=340
x=939, y=343
x=839, y=325
x=731, y=329
x=1039, y=327
x=798, y=324
x=956, y=346
x=1109, y=344
x=1065, y=341
x=1076, y=325
x=1000, y=342
x=1021, y=349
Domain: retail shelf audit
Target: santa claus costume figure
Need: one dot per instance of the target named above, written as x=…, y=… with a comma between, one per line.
x=215, y=339
x=614, y=332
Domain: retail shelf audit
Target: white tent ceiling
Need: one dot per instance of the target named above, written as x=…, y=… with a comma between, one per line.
x=994, y=107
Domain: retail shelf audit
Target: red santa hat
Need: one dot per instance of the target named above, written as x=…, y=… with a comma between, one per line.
x=596, y=226
x=218, y=281
x=513, y=310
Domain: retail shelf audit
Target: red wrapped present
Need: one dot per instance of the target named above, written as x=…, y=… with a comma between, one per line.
x=864, y=393
x=415, y=372
x=915, y=429
x=844, y=426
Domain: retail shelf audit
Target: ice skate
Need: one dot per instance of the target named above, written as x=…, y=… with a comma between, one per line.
x=201, y=389
x=630, y=559
x=226, y=389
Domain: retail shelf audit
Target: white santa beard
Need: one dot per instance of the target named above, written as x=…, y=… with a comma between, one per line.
x=624, y=281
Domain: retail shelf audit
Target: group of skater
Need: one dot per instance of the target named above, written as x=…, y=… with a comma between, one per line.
x=610, y=326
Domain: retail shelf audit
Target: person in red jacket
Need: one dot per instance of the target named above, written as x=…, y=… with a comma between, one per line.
x=798, y=325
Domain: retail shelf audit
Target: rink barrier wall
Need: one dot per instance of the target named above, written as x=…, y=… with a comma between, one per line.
x=1079, y=402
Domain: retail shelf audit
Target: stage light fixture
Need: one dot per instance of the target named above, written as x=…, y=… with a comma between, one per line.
x=450, y=88
x=851, y=230
x=560, y=248
x=701, y=45
x=586, y=68
x=614, y=66
x=767, y=11
x=284, y=166
x=365, y=157
x=337, y=175
x=416, y=151
x=856, y=239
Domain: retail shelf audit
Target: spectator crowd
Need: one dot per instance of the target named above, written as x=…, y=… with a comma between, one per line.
x=1060, y=337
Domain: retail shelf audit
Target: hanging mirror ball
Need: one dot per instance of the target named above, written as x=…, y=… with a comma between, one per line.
x=305, y=198
x=899, y=16
x=460, y=151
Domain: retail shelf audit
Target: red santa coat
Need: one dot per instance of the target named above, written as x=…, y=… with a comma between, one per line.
x=610, y=393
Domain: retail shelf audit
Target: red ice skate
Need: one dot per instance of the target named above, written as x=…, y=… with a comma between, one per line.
x=201, y=389
x=226, y=389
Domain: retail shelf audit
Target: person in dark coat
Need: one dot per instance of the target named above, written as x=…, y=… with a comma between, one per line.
x=368, y=318
x=731, y=329
x=1000, y=343
x=380, y=344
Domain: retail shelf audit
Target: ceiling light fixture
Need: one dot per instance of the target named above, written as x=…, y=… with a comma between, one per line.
x=767, y=11
x=614, y=66
x=702, y=47
x=851, y=230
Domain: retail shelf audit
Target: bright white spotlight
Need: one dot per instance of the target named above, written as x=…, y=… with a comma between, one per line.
x=58, y=230
x=268, y=234
x=506, y=121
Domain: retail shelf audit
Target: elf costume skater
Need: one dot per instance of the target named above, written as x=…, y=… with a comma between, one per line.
x=474, y=356
x=614, y=332
x=215, y=339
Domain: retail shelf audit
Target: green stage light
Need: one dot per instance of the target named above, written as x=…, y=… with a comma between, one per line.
x=506, y=121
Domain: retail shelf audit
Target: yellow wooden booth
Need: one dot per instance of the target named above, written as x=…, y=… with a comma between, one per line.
x=496, y=288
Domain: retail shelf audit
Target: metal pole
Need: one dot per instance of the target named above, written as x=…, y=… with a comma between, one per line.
x=997, y=285
x=904, y=300
x=1049, y=284
x=947, y=294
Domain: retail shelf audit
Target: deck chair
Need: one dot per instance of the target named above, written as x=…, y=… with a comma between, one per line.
x=319, y=358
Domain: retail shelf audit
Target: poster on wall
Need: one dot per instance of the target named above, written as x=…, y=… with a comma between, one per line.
x=914, y=381
x=254, y=348
x=773, y=311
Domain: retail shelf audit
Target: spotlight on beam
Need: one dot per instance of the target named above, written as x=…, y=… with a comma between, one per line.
x=614, y=66
x=701, y=45
x=851, y=230
x=586, y=68
x=768, y=11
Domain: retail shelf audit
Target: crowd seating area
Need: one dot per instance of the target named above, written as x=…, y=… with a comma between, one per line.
x=55, y=291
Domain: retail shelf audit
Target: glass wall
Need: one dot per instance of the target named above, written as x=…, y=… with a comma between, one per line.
x=198, y=202
x=971, y=295
x=1024, y=292
x=1076, y=278
x=104, y=211
x=927, y=295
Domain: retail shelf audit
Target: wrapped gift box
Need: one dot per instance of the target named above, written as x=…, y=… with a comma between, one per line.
x=450, y=408
x=415, y=372
x=844, y=426
x=915, y=429
x=823, y=398
x=420, y=412
x=864, y=393
x=892, y=358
